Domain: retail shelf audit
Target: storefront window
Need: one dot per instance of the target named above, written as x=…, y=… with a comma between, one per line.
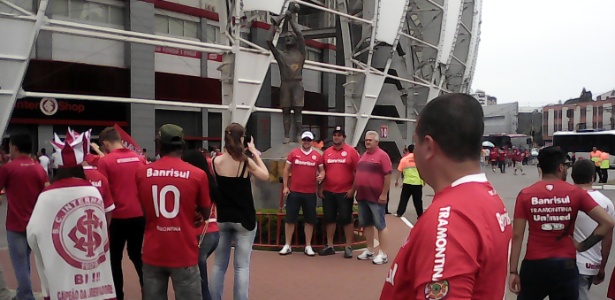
x=106, y=12
x=176, y=26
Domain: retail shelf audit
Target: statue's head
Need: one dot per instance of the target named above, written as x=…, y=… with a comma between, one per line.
x=290, y=40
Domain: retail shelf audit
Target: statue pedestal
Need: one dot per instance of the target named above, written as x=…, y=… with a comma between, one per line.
x=267, y=195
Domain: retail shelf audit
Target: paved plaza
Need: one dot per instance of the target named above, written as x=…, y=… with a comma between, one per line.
x=333, y=277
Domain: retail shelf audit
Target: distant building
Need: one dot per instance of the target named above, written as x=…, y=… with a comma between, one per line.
x=529, y=121
x=578, y=113
x=484, y=99
x=501, y=118
x=608, y=95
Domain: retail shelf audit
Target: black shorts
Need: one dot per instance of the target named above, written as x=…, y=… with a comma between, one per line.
x=305, y=202
x=337, y=208
x=556, y=278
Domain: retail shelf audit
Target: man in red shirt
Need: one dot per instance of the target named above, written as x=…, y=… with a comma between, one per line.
x=308, y=171
x=518, y=161
x=24, y=180
x=120, y=165
x=171, y=192
x=340, y=163
x=459, y=247
x=550, y=207
x=99, y=181
x=372, y=183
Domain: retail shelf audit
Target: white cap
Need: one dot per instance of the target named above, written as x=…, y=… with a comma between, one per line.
x=307, y=134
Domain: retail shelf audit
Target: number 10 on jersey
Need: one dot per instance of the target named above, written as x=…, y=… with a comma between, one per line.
x=160, y=201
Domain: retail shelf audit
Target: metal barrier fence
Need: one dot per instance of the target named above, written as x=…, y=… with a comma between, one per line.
x=270, y=232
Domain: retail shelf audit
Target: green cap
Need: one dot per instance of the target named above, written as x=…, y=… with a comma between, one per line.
x=171, y=134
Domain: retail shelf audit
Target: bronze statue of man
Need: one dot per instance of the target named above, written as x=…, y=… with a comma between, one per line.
x=290, y=61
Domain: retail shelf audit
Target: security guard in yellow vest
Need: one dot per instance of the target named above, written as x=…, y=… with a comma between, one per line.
x=596, y=157
x=605, y=164
x=412, y=184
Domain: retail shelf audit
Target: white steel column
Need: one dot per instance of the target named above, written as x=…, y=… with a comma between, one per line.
x=473, y=51
x=389, y=18
x=448, y=35
x=18, y=37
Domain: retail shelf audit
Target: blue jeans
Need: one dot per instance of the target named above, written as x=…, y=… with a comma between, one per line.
x=19, y=251
x=372, y=214
x=186, y=282
x=244, y=240
x=210, y=242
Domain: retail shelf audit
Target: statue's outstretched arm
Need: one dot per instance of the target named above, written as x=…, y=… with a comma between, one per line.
x=300, y=38
x=272, y=47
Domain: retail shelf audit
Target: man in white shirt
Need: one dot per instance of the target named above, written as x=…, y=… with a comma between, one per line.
x=590, y=263
x=55, y=158
x=44, y=160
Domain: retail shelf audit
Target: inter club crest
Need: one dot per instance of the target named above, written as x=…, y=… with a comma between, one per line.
x=344, y=153
x=436, y=290
x=78, y=233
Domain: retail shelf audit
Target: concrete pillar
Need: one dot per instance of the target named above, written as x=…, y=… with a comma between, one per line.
x=607, y=115
x=565, y=119
x=261, y=124
x=45, y=135
x=589, y=113
x=551, y=123
x=205, y=127
x=141, y=61
x=577, y=116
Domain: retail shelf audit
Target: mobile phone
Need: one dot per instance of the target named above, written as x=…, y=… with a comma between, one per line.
x=247, y=139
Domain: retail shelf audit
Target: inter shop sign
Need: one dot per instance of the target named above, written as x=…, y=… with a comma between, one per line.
x=51, y=109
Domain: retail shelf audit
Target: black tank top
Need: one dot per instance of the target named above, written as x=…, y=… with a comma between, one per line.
x=236, y=204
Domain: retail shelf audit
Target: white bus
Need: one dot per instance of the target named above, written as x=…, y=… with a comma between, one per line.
x=582, y=141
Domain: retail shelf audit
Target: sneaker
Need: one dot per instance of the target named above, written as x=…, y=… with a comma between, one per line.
x=348, y=252
x=308, y=251
x=326, y=251
x=365, y=255
x=286, y=250
x=380, y=259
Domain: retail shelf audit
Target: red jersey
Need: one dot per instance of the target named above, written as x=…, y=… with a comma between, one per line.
x=170, y=191
x=120, y=167
x=493, y=155
x=371, y=170
x=458, y=249
x=550, y=208
x=24, y=180
x=304, y=169
x=502, y=155
x=213, y=222
x=100, y=182
x=340, y=166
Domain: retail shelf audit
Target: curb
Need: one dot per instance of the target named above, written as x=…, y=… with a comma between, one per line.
x=604, y=187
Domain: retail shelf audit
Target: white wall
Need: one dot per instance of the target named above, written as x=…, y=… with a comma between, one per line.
x=92, y=51
x=177, y=64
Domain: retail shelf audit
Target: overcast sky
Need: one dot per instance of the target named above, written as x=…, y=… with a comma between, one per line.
x=540, y=51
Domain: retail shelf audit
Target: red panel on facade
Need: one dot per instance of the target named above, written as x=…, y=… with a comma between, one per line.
x=175, y=87
x=74, y=78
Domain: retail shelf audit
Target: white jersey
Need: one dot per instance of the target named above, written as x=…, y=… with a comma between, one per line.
x=589, y=261
x=44, y=161
x=68, y=236
x=56, y=159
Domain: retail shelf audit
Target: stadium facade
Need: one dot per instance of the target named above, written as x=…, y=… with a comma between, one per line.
x=373, y=65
